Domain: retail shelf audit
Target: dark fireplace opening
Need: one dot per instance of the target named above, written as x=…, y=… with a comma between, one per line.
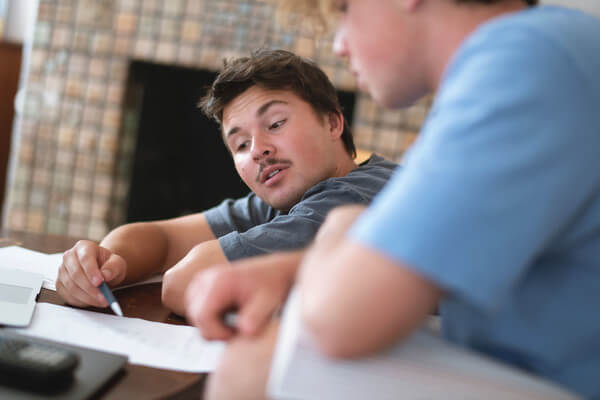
x=181, y=165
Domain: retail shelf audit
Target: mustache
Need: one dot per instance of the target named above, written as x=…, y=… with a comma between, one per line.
x=269, y=162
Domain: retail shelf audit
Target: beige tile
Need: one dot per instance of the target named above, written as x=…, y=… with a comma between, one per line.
x=191, y=31
x=35, y=221
x=122, y=45
x=125, y=23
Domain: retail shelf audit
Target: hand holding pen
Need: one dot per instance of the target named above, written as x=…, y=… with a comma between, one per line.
x=86, y=271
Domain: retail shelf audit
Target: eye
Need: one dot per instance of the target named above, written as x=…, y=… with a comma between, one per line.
x=277, y=124
x=241, y=146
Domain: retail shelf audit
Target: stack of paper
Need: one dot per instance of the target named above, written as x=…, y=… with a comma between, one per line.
x=15, y=257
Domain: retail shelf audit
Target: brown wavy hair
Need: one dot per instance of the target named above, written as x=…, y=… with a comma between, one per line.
x=275, y=70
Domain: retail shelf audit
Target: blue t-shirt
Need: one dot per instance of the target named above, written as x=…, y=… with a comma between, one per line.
x=498, y=202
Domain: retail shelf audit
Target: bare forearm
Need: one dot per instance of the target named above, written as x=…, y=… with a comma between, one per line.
x=363, y=301
x=153, y=247
x=354, y=299
x=144, y=247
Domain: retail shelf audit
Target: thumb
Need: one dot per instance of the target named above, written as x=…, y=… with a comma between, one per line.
x=103, y=255
x=113, y=270
x=255, y=315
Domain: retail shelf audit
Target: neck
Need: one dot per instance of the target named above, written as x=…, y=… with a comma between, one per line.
x=445, y=38
x=344, y=165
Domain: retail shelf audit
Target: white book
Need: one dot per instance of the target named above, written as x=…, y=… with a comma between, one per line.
x=423, y=367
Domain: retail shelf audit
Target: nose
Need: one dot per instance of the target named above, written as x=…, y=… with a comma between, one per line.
x=339, y=43
x=262, y=148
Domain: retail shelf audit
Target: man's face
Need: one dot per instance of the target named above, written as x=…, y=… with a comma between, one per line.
x=381, y=41
x=280, y=146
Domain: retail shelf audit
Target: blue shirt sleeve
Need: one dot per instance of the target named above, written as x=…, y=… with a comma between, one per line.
x=491, y=180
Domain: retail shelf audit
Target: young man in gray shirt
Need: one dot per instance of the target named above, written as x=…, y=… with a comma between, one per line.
x=283, y=126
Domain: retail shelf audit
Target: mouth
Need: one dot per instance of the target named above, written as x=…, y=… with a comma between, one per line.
x=270, y=174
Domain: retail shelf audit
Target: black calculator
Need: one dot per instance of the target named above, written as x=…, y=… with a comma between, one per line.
x=33, y=364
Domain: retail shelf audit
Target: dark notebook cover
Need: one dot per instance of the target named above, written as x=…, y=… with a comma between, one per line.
x=95, y=369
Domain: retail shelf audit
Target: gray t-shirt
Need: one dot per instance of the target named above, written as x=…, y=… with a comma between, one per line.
x=248, y=226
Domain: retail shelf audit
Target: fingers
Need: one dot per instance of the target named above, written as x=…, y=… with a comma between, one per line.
x=73, y=283
x=86, y=254
x=207, y=298
x=254, y=290
x=113, y=269
x=80, y=274
x=69, y=294
x=257, y=313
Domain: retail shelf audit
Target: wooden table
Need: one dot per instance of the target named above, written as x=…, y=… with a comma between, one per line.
x=137, y=382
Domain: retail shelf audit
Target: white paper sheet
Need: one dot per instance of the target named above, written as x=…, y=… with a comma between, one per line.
x=152, y=344
x=16, y=257
x=423, y=367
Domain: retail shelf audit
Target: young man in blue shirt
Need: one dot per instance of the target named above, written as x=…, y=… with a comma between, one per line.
x=496, y=214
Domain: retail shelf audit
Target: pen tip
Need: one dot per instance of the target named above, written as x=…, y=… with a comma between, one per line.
x=115, y=307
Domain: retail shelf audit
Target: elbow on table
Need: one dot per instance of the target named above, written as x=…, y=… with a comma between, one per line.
x=171, y=295
x=331, y=339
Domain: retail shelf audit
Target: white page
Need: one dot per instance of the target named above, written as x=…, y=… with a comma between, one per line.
x=152, y=344
x=424, y=367
x=16, y=257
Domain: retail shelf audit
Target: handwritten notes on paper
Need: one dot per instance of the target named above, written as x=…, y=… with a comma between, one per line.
x=146, y=343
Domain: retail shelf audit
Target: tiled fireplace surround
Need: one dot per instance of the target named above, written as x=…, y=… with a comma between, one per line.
x=73, y=150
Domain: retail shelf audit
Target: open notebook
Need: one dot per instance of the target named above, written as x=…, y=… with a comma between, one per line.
x=423, y=367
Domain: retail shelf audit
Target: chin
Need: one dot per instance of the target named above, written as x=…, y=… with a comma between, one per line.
x=284, y=204
x=400, y=98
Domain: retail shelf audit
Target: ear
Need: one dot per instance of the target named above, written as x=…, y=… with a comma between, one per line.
x=336, y=124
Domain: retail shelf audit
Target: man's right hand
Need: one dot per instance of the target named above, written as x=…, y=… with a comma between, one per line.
x=255, y=287
x=83, y=269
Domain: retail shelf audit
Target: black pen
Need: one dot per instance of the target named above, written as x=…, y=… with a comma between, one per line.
x=110, y=298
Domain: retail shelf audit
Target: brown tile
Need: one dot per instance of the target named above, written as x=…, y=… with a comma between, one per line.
x=74, y=87
x=66, y=137
x=95, y=92
x=122, y=45
x=191, y=31
x=114, y=95
x=111, y=118
x=126, y=23
x=35, y=221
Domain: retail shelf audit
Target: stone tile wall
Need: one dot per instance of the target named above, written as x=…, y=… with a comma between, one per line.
x=74, y=142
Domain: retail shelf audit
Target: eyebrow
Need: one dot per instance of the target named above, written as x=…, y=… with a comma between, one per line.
x=261, y=111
